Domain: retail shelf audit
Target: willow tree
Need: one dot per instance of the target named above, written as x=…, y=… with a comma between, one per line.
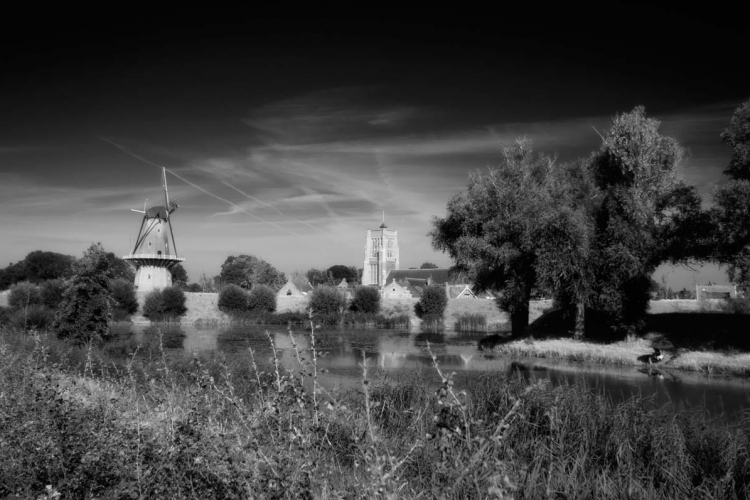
x=647, y=216
x=731, y=214
x=508, y=227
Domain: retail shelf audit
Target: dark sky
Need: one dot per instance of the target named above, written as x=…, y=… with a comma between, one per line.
x=317, y=124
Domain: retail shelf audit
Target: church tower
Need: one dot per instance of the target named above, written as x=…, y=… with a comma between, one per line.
x=381, y=255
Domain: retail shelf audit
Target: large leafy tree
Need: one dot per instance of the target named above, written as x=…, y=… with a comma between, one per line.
x=490, y=229
x=592, y=231
x=731, y=214
x=86, y=307
x=647, y=216
x=338, y=272
x=247, y=271
x=41, y=266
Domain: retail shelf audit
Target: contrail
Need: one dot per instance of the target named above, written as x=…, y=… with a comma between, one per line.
x=271, y=207
x=239, y=208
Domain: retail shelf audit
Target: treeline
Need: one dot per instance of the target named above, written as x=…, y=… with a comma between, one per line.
x=78, y=298
x=593, y=231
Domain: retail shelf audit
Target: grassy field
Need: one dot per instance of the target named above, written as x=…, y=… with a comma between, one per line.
x=76, y=423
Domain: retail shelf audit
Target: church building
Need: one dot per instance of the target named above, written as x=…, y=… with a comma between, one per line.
x=381, y=255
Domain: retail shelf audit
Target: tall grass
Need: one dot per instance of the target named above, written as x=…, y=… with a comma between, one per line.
x=77, y=422
x=471, y=322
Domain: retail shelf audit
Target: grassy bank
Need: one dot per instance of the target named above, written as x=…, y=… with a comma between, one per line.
x=627, y=353
x=703, y=338
x=208, y=427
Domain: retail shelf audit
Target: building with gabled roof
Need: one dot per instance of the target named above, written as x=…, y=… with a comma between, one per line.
x=295, y=289
x=395, y=290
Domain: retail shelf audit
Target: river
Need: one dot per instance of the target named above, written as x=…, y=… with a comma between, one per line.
x=396, y=353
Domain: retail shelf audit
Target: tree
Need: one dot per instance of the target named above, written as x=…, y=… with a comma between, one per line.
x=247, y=270
x=86, y=307
x=41, y=266
x=317, y=277
x=731, y=215
x=647, y=216
x=12, y=274
x=124, y=296
x=338, y=272
x=489, y=230
x=428, y=265
x=432, y=302
x=120, y=268
x=366, y=300
x=179, y=275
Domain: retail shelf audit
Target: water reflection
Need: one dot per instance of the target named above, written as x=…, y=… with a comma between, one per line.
x=342, y=353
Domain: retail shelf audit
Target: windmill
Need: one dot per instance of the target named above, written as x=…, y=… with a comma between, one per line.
x=153, y=256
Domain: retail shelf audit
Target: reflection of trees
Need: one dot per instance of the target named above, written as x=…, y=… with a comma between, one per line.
x=172, y=336
x=431, y=337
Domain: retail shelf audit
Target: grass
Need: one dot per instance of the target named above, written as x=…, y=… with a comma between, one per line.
x=712, y=341
x=77, y=422
x=470, y=322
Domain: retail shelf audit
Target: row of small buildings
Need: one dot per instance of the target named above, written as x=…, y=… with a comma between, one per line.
x=400, y=284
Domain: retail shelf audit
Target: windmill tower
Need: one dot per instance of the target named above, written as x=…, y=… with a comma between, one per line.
x=153, y=255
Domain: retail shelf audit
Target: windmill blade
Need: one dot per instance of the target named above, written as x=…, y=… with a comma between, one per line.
x=139, y=211
x=166, y=193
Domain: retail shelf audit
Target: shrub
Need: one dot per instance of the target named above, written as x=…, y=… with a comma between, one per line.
x=366, y=300
x=165, y=304
x=174, y=301
x=24, y=294
x=52, y=293
x=433, y=302
x=123, y=293
x=262, y=298
x=153, y=306
x=232, y=299
x=327, y=300
x=33, y=317
x=4, y=316
x=735, y=306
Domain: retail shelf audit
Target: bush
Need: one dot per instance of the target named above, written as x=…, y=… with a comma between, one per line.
x=174, y=301
x=262, y=298
x=36, y=317
x=433, y=302
x=24, y=294
x=4, y=315
x=123, y=293
x=232, y=299
x=52, y=293
x=153, y=306
x=735, y=306
x=327, y=300
x=366, y=300
x=168, y=303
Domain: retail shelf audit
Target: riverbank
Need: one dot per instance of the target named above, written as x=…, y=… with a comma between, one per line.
x=77, y=423
x=628, y=353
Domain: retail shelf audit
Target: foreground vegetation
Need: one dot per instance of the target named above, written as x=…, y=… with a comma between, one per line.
x=77, y=422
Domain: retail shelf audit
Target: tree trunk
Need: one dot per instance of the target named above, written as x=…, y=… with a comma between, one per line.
x=519, y=319
x=580, y=327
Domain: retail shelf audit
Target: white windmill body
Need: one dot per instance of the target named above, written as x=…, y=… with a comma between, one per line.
x=155, y=252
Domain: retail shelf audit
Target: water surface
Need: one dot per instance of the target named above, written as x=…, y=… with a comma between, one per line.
x=393, y=352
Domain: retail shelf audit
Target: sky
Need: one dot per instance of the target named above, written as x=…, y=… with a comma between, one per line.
x=288, y=137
